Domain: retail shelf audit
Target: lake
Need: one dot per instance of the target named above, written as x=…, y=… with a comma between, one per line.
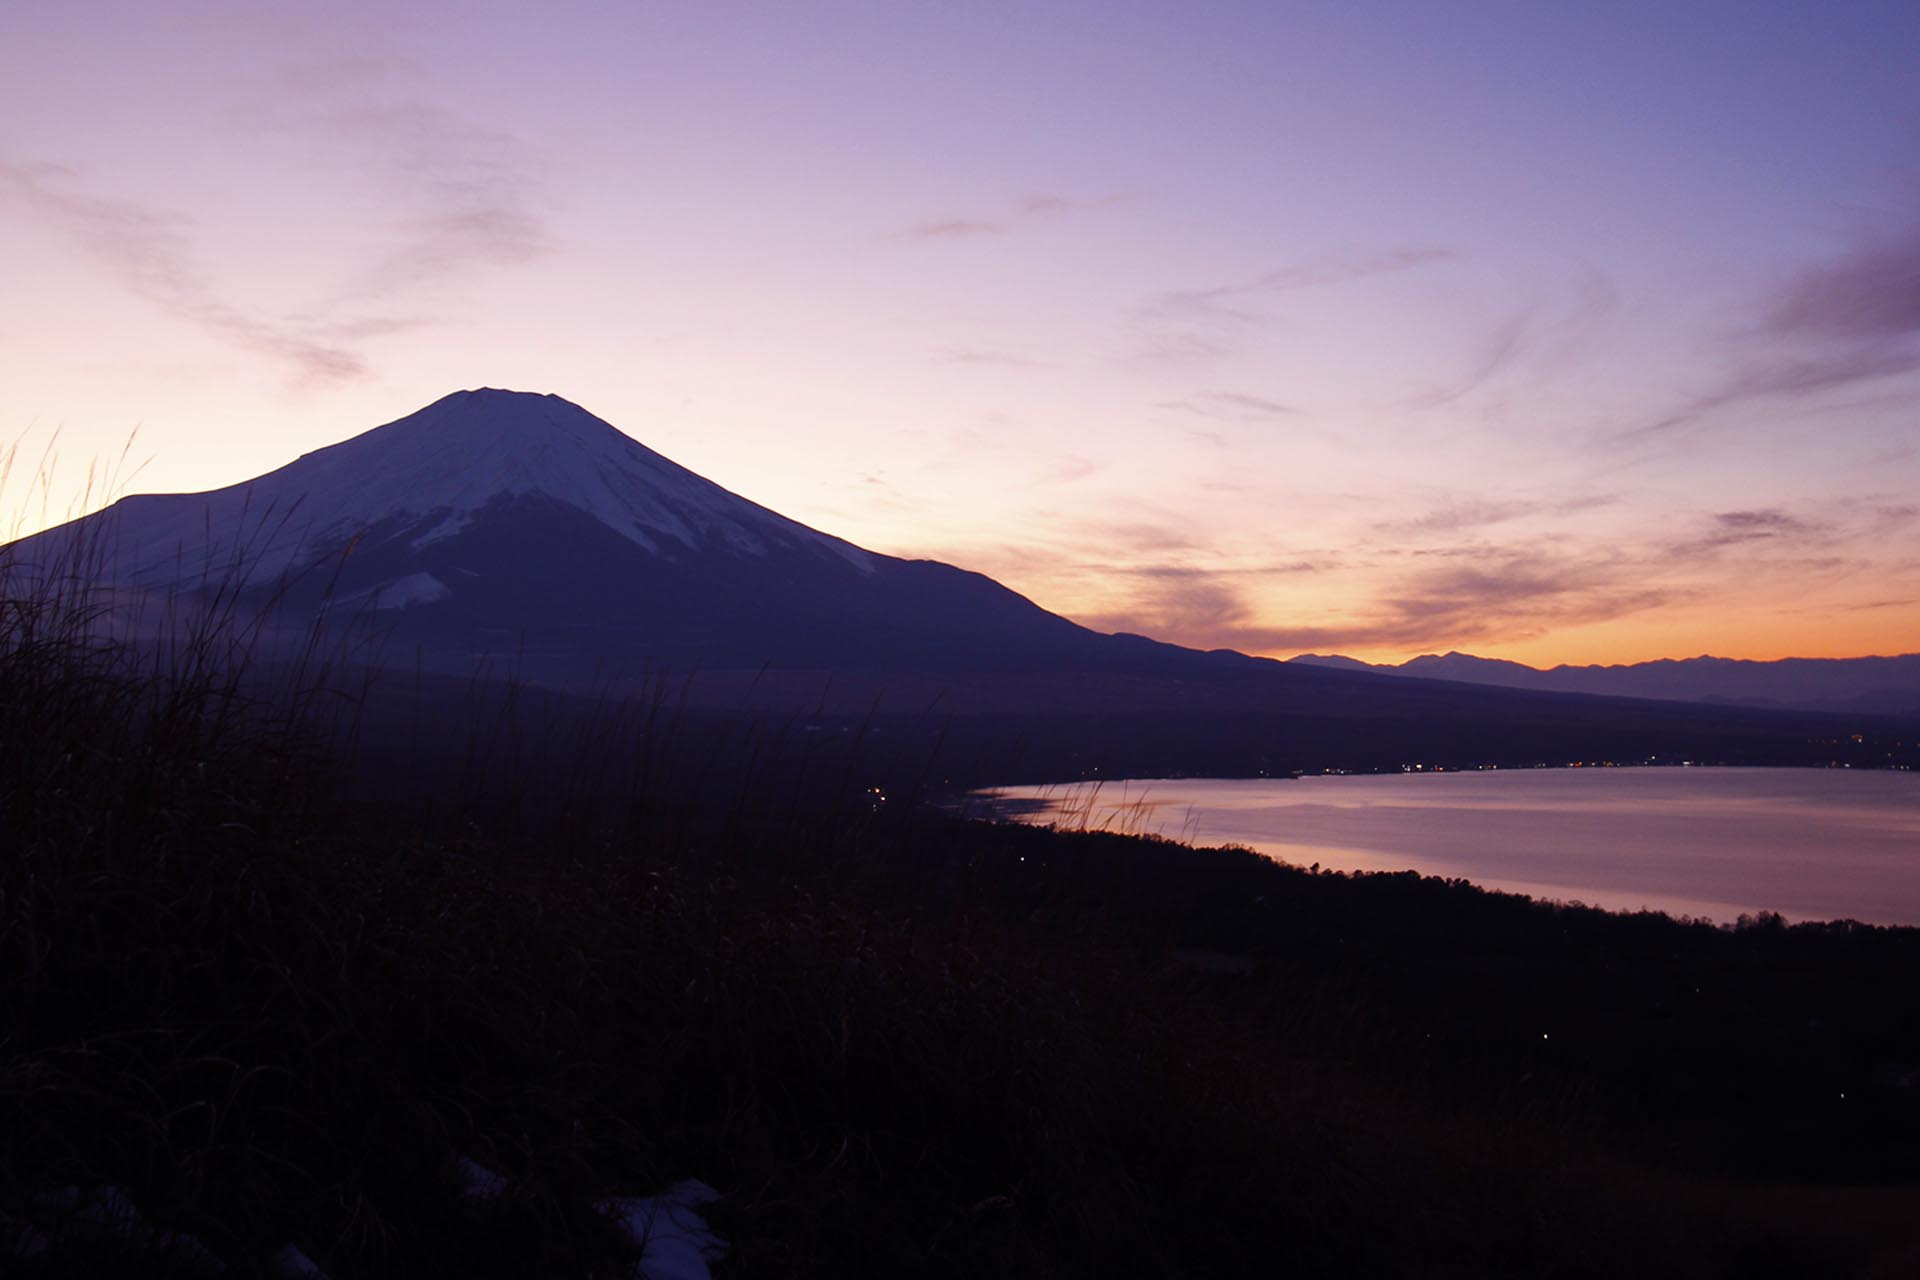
x=1811, y=844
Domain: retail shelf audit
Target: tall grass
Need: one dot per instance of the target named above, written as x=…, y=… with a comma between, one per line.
x=273, y=1010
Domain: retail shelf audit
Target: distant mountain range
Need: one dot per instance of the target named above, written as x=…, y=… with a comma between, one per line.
x=519, y=530
x=1877, y=686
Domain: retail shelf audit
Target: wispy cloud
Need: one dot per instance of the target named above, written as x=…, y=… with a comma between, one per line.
x=1179, y=605
x=456, y=199
x=1852, y=319
x=1021, y=213
x=466, y=197
x=1225, y=300
x=1499, y=594
x=1229, y=300
x=1770, y=527
x=1870, y=294
x=1099, y=551
x=1464, y=571
x=1463, y=515
x=1458, y=517
x=1538, y=339
x=1233, y=406
x=453, y=196
x=1884, y=518
x=990, y=356
x=1743, y=526
x=955, y=228
x=1064, y=468
x=1185, y=325
x=1501, y=349
x=1183, y=346
x=153, y=256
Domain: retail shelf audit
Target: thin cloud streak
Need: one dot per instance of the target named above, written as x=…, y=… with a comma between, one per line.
x=990, y=357
x=464, y=196
x=1232, y=406
x=1538, y=339
x=472, y=208
x=1025, y=211
x=1502, y=349
x=1477, y=513
x=1853, y=319
x=1770, y=527
x=152, y=256
x=1193, y=325
x=1461, y=516
x=1222, y=301
x=955, y=229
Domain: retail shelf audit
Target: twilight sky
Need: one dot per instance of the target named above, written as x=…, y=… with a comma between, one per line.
x=1559, y=332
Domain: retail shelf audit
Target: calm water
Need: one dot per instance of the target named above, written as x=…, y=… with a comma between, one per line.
x=1811, y=844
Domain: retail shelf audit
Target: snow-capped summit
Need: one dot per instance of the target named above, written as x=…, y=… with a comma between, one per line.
x=429, y=475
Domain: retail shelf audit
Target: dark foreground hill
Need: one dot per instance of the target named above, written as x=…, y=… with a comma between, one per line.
x=274, y=1014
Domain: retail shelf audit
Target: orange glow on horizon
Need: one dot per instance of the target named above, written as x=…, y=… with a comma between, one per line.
x=1139, y=325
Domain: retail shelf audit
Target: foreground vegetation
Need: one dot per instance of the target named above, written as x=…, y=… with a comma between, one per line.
x=273, y=1011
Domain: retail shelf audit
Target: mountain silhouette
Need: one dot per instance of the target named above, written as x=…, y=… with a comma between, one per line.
x=500, y=521
x=499, y=525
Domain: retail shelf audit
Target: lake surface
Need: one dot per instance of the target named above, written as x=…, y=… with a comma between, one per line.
x=1811, y=844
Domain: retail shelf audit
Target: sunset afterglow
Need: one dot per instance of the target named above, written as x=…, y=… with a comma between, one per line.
x=1556, y=333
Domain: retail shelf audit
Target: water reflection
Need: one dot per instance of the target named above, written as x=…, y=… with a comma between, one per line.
x=1807, y=843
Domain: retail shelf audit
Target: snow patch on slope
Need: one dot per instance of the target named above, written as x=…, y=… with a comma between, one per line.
x=414, y=588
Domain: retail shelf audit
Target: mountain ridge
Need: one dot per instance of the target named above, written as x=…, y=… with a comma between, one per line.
x=1888, y=684
x=519, y=535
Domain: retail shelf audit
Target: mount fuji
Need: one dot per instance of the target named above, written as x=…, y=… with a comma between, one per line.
x=514, y=523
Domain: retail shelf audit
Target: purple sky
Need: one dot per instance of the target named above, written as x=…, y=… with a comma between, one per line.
x=1555, y=332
